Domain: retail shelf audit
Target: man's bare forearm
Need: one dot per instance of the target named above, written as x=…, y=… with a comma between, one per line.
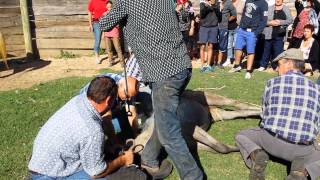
x=112, y=166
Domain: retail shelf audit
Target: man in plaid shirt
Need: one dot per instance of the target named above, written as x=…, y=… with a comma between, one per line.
x=290, y=122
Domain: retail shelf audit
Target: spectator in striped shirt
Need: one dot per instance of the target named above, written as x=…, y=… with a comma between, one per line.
x=290, y=122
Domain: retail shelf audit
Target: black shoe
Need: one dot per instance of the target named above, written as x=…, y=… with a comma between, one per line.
x=259, y=164
x=161, y=172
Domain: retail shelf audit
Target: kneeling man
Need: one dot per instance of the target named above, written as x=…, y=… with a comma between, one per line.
x=290, y=122
x=70, y=145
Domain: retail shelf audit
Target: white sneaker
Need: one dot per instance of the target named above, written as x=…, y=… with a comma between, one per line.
x=227, y=63
x=261, y=69
x=98, y=61
x=248, y=75
x=237, y=69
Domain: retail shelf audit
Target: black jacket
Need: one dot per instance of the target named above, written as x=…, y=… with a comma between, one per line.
x=314, y=55
x=209, y=15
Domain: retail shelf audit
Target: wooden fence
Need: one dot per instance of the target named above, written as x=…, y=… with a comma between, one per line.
x=11, y=27
x=61, y=25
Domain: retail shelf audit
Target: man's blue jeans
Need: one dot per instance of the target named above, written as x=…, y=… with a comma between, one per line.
x=272, y=48
x=167, y=131
x=232, y=36
x=81, y=175
x=97, y=36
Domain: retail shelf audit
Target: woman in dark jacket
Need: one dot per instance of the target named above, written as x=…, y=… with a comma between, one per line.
x=310, y=48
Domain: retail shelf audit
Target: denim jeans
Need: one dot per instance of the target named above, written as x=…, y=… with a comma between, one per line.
x=97, y=36
x=81, y=175
x=231, y=41
x=167, y=131
x=272, y=48
x=223, y=40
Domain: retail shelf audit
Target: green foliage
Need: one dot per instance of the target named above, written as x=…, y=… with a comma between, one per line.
x=23, y=112
x=67, y=55
x=102, y=51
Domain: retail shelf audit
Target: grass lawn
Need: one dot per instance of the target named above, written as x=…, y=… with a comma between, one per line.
x=23, y=112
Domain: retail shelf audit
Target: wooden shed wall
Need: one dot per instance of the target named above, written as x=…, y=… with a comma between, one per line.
x=61, y=25
x=11, y=27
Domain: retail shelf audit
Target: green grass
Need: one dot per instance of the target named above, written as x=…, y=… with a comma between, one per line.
x=23, y=112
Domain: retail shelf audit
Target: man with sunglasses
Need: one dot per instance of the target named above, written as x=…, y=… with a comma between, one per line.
x=290, y=122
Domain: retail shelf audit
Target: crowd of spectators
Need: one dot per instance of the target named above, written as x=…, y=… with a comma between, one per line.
x=226, y=32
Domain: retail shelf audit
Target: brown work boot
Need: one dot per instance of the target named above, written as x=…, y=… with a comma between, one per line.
x=161, y=172
x=259, y=163
x=297, y=171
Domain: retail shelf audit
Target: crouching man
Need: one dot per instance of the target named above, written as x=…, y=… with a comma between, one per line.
x=70, y=144
x=289, y=125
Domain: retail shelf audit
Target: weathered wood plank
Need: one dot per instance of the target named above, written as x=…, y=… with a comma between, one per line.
x=64, y=29
x=45, y=53
x=14, y=40
x=15, y=47
x=62, y=18
x=59, y=10
x=12, y=10
x=10, y=21
x=8, y=31
x=18, y=53
x=9, y=2
x=68, y=35
x=60, y=2
x=49, y=23
x=65, y=43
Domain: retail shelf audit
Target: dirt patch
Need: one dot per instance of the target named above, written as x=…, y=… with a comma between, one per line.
x=26, y=74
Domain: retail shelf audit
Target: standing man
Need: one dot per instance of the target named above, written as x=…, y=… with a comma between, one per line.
x=228, y=14
x=70, y=145
x=208, y=32
x=290, y=122
x=253, y=21
x=232, y=30
x=153, y=33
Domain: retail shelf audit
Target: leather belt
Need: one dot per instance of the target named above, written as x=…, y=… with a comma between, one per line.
x=283, y=139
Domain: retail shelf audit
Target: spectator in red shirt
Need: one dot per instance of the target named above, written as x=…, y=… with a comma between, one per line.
x=96, y=8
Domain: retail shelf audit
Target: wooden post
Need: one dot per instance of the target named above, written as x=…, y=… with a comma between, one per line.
x=26, y=28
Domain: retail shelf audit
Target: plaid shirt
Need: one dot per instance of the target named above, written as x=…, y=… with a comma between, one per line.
x=291, y=107
x=152, y=31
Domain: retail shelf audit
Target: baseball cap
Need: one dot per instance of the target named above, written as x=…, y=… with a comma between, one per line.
x=292, y=53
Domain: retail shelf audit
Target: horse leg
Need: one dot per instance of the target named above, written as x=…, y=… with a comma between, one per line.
x=203, y=137
x=220, y=114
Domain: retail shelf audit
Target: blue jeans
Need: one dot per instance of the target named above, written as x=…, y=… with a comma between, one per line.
x=81, y=175
x=272, y=48
x=232, y=36
x=223, y=40
x=167, y=131
x=97, y=36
